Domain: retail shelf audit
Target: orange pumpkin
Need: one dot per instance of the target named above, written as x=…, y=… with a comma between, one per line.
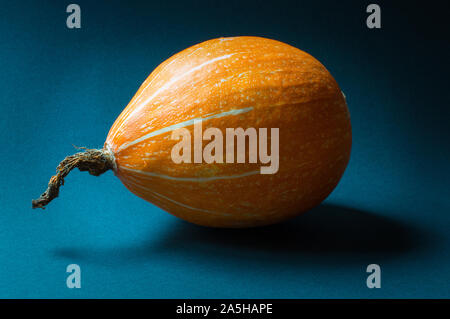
x=239, y=82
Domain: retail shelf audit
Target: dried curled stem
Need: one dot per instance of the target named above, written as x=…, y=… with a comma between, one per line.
x=93, y=160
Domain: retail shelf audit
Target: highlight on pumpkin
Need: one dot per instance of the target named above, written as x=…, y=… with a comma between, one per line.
x=246, y=87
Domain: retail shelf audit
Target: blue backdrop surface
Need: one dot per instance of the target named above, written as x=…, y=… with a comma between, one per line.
x=61, y=86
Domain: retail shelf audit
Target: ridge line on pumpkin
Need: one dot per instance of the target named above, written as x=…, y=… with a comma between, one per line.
x=189, y=179
x=133, y=181
x=187, y=206
x=172, y=81
x=182, y=124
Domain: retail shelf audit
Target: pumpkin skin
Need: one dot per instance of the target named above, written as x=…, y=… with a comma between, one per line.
x=281, y=86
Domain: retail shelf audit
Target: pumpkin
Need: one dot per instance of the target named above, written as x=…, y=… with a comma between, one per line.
x=237, y=82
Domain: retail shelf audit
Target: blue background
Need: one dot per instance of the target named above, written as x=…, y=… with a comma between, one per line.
x=60, y=87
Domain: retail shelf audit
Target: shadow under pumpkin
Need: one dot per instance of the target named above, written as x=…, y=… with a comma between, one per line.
x=328, y=235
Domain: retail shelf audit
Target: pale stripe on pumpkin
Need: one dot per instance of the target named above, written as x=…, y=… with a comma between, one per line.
x=180, y=125
x=142, y=90
x=189, y=179
x=172, y=81
x=162, y=197
x=189, y=207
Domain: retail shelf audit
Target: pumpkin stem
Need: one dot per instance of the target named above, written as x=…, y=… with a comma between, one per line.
x=93, y=160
